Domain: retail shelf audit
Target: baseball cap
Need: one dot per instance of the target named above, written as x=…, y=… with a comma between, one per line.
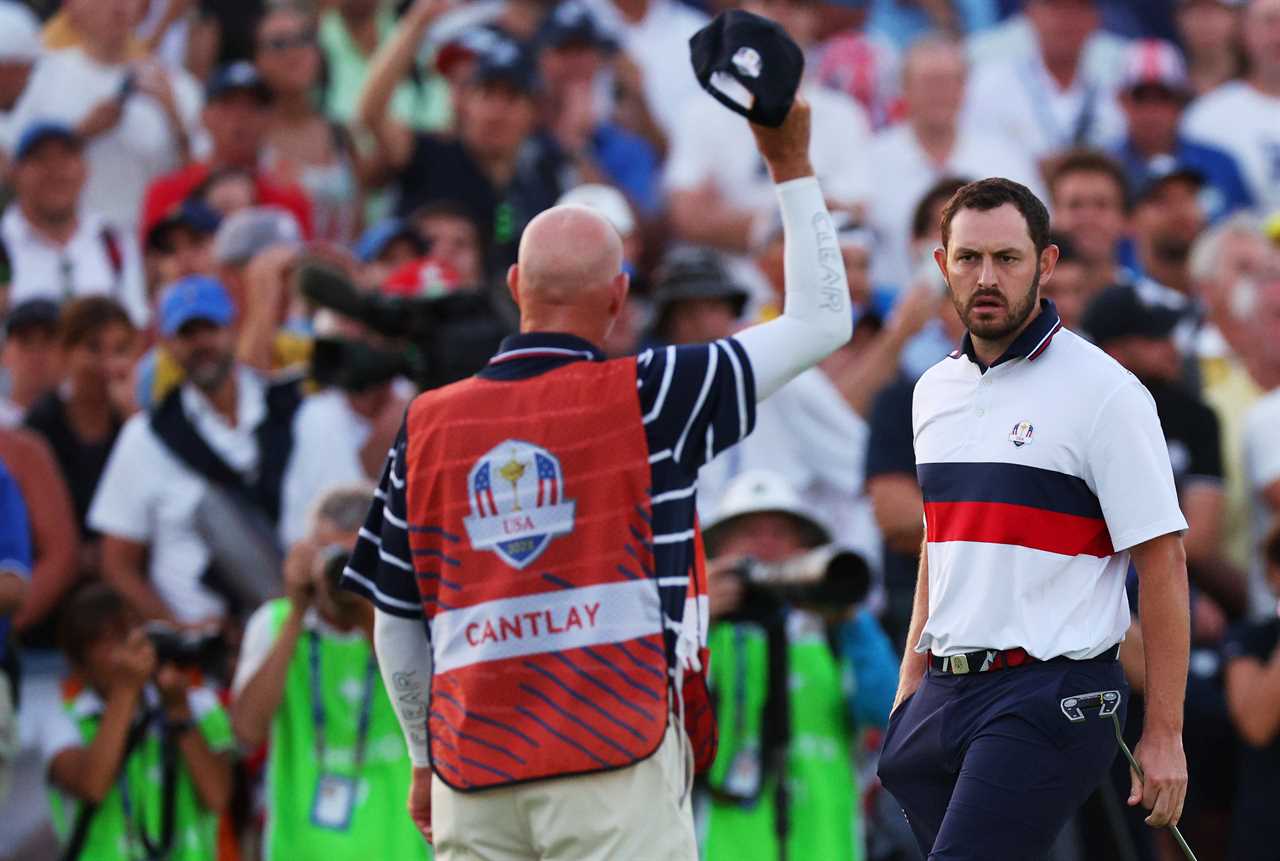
x=1162, y=170
x=465, y=45
x=41, y=131
x=606, y=200
x=1119, y=312
x=426, y=276
x=196, y=297
x=375, y=240
x=571, y=23
x=749, y=64
x=243, y=234
x=1155, y=63
x=506, y=62
x=239, y=76
x=192, y=213
x=19, y=34
x=32, y=314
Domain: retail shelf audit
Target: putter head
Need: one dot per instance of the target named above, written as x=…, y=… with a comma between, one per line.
x=1075, y=706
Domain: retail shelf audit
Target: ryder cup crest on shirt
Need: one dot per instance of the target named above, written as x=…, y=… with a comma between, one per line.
x=747, y=61
x=1021, y=433
x=517, y=502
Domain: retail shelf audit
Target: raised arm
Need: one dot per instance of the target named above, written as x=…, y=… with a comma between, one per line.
x=389, y=66
x=816, y=320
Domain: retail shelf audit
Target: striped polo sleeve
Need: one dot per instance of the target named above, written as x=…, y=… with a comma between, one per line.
x=696, y=400
x=381, y=566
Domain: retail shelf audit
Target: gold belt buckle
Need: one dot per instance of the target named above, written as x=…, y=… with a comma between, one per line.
x=960, y=664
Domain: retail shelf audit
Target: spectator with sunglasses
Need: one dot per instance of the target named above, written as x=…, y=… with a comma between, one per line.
x=301, y=144
x=307, y=683
x=1154, y=95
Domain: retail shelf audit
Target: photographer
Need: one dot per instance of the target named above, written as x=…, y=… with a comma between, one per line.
x=137, y=759
x=792, y=682
x=307, y=682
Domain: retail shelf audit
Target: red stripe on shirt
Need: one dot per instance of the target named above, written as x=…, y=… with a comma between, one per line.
x=1018, y=525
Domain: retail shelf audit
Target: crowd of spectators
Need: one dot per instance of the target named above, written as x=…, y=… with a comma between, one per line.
x=238, y=236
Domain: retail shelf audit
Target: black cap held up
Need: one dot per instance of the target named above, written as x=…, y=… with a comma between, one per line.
x=749, y=64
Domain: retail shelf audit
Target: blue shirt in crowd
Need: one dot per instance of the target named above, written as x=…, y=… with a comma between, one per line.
x=1224, y=191
x=15, y=541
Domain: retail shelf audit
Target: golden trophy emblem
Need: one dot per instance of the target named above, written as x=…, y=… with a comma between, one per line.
x=513, y=471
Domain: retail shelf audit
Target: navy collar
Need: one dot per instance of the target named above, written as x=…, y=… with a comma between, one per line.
x=1029, y=345
x=534, y=353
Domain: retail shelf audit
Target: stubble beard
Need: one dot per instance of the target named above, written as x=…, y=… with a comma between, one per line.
x=995, y=330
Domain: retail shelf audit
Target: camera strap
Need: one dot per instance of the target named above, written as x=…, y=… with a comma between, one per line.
x=136, y=825
x=318, y=711
x=86, y=812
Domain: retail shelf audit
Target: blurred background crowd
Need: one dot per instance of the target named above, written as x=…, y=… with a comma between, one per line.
x=238, y=236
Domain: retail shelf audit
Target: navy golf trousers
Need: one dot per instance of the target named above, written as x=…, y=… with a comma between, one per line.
x=988, y=766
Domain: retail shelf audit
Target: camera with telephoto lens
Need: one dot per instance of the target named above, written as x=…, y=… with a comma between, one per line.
x=441, y=339
x=206, y=651
x=827, y=578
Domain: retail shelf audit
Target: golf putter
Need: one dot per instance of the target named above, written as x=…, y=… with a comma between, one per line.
x=1108, y=704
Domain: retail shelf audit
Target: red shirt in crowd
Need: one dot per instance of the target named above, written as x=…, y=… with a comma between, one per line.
x=171, y=189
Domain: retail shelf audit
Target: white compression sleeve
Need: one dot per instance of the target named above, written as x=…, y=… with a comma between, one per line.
x=816, y=319
x=404, y=657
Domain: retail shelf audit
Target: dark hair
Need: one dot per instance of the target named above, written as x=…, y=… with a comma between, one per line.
x=83, y=318
x=1067, y=251
x=1089, y=161
x=941, y=191
x=92, y=613
x=988, y=194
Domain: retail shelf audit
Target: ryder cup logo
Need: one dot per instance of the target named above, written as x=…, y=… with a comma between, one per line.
x=1021, y=434
x=517, y=502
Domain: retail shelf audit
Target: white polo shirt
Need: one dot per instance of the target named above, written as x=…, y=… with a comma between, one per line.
x=96, y=260
x=1038, y=474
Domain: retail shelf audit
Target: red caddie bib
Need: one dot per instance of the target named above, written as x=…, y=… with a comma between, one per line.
x=529, y=523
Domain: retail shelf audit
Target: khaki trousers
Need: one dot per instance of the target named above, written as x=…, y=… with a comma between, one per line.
x=631, y=813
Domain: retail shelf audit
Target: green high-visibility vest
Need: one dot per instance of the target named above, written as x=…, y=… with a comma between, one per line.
x=823, y=808
x=380, y=826
x=112, y=835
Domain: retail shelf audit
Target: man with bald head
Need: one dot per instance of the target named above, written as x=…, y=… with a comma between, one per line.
x=534, y=559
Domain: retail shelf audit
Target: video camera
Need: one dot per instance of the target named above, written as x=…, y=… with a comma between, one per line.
x=825, y=578
x=206, y=651
x=446, y=338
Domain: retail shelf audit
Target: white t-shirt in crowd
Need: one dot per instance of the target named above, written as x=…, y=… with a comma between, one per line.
x=1262, y=469
x=712, y=143
x=327, y=438
x=902, y=172
x=659, y=45
x=1018, y=101
x=1103, y=59
x=1244, y=122
x=97, y=259
x=66, y=85
x=149, y=496
x=1037, y=478
x=809, y=433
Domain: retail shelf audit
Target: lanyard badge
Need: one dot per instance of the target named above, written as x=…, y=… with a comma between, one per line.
x=335, y=796
x=334, y=802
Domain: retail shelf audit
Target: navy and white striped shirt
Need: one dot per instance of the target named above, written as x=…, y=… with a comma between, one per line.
x=695, y=402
